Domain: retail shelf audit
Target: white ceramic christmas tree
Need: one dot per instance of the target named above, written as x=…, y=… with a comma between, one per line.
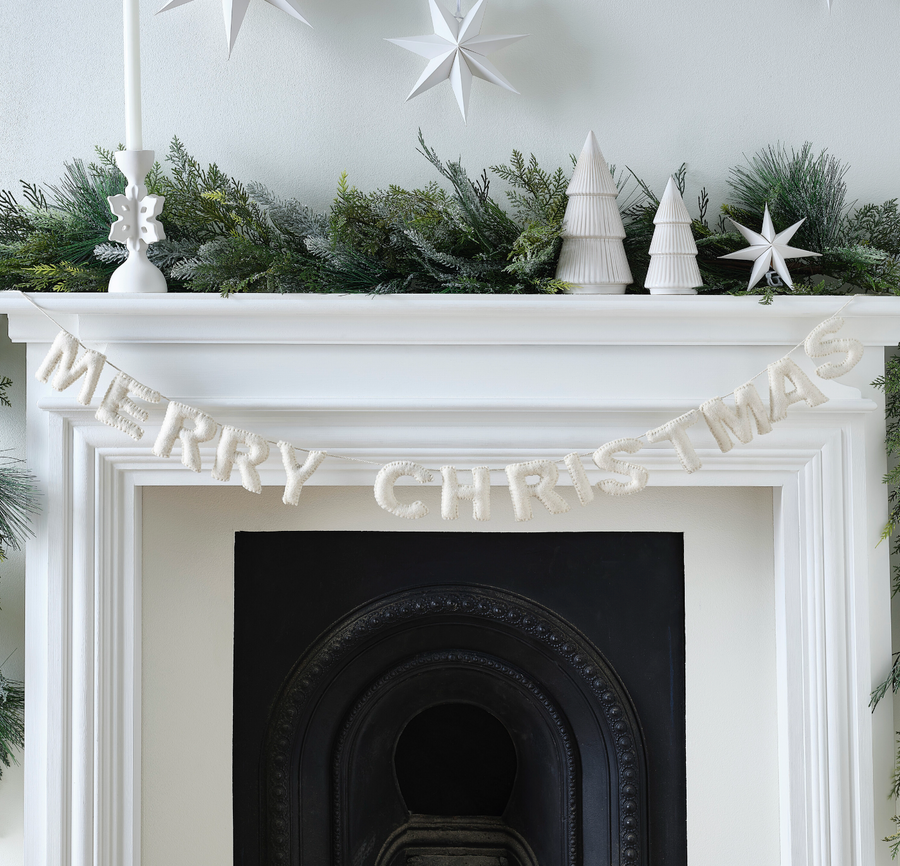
x=593, y=258
x=673, y=253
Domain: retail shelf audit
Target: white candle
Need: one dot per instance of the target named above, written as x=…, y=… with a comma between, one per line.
x=133, y=137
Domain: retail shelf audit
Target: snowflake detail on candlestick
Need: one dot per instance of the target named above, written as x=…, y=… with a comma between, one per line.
x=136, y=219
x=456, y=51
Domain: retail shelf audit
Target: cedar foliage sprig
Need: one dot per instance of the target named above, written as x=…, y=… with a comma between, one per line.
x=889, y=383
x=18, y=503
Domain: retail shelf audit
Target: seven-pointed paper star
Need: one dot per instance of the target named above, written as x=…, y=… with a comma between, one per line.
x=769, y=250
x=456, y=51
x=234, y=11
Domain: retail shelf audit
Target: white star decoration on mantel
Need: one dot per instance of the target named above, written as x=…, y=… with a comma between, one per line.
x=234, y=11
x=456, y=51
x=769, y=250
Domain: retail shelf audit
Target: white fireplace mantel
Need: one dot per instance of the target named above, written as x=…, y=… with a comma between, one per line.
x=467, y=381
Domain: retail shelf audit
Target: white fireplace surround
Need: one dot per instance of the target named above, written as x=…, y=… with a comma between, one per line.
x=467, y=381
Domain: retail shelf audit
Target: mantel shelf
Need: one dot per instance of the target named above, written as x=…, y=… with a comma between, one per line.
x=624, y=320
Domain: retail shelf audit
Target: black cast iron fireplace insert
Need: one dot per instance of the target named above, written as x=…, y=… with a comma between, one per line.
x=457, y=699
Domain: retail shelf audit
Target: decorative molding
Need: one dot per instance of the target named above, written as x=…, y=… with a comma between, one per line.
x=83, y=568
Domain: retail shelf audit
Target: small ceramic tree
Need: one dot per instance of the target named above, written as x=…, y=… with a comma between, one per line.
x=673, y=253
x=593, y=258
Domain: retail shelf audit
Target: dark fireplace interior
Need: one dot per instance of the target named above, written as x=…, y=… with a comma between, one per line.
x=459, y=699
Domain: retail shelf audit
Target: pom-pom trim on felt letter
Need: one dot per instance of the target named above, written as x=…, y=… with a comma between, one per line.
x=117, y=400
x=227, y=457
x=817, y=346
x=786, y=370
x=521, y=492
x=173, y=428
x=638, y=475
x=580, y=481
x=676, y=432
x=297, y=475
x=478, y=493
x=748, y=409
x=63, y=354
x=384, y=489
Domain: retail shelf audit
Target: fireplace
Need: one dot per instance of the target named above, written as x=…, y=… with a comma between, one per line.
x=130, y=697
x=498, y=695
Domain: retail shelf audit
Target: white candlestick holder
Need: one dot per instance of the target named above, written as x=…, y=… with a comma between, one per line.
x=136, y=226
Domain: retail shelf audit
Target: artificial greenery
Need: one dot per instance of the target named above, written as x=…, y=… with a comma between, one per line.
x=859, y=246
x=18, y=502
x=890, y=384
x=449, y=236
x=12, y=720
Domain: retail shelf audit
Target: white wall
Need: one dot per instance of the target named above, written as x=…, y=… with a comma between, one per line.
x=188, y=629
x=661, y=82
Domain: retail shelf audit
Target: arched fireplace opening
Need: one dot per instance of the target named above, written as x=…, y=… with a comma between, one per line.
x=579, y=781
x=456, y=766
x=455, y=760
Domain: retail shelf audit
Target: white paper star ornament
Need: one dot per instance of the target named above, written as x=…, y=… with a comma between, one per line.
x=456, y=51
x=234, y=12
x=769, y=250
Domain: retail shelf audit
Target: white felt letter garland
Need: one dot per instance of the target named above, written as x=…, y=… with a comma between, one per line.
x=748, y=410
x=118, y=408
x=521, y=492
x=604, y=459
x=676, y=432
x=297, y=475
x=63, y=354
x=118, y=401
x=478, y=493
x=227, y=457
x=384, y=489
x=786, y=370
x=579, y=478
x=204, y=428
x=817, y=346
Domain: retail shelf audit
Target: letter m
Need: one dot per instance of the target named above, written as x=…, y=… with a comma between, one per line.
x=63, y=357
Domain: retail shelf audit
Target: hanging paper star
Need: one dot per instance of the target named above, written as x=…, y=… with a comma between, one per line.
x=234, y=11
x=456, y=51
x=769, y=250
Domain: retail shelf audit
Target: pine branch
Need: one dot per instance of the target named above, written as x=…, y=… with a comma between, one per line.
x=19, y=502
x=12, y=720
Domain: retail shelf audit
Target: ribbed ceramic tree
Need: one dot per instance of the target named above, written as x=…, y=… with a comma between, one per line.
x=593, y=258
x=673, y=253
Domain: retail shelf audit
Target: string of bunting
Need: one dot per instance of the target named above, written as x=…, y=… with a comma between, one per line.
x=245, y=450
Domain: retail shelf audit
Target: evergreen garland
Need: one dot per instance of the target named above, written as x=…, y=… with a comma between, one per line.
x=18, y=502
x=890, y=384
x=225, y=236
